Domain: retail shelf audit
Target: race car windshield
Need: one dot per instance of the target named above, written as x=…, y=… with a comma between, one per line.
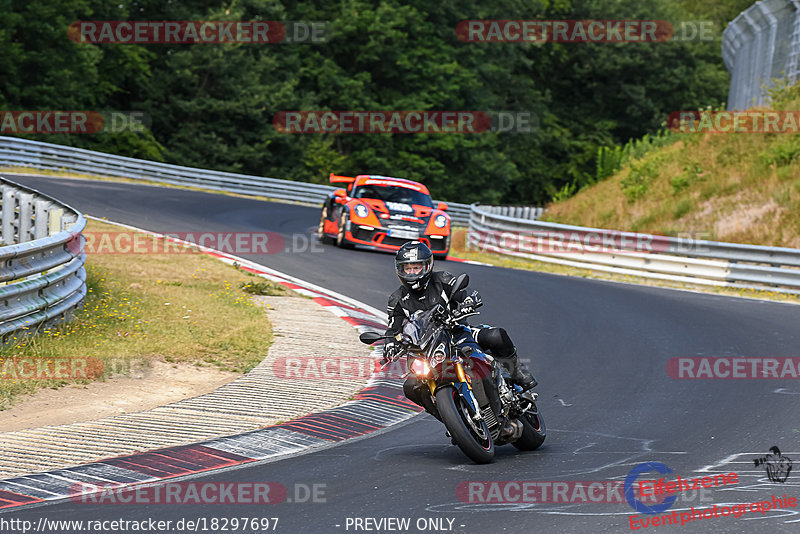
x=400, y=195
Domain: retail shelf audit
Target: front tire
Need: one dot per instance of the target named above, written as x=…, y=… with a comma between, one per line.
x=534, y=430
x=472, y=437
x=341, y=240
x=323, y=238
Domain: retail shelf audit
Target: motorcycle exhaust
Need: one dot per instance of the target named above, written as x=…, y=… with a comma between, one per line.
x=512, y=430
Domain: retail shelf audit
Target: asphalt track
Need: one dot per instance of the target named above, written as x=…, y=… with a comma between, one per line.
x=599, y=350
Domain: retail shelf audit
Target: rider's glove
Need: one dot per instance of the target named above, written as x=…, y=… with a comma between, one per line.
x=467, y=306
x=391, y=350
x=462, y=311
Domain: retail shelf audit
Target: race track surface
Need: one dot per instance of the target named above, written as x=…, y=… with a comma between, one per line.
x=600, y=353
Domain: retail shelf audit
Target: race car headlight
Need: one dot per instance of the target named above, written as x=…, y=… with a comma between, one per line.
x=361, y=210
x=440, y=221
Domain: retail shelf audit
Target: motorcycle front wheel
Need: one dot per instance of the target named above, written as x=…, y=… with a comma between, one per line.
x=534, y=430
x=472, y=437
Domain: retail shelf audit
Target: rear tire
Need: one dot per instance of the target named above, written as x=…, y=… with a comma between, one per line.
x=534, y=430
x=472, y=437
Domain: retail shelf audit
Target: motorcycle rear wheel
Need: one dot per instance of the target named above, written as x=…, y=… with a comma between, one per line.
x=472, y=437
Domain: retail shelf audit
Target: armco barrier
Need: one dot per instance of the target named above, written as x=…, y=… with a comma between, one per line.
x=41, y=259
x=650, y=256
x=517, y=212
x=38, y=155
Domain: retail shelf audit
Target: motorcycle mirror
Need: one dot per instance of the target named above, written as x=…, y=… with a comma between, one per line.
x=461, y=282
x=370, y=337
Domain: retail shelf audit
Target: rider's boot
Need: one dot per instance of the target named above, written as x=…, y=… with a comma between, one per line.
x=519, y=373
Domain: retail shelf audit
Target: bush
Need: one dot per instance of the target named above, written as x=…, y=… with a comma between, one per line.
x=611, y=159
x=781, y=154
x=636, y=183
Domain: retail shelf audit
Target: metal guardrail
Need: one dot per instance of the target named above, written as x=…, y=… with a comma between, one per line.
x=42, y=274
x=517, y=212
x=651, y=256
x=38, y=155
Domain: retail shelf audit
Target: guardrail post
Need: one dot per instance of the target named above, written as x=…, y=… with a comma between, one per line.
x=25, y=217
x=41, y=219
x=55, y=221
x=9, y=215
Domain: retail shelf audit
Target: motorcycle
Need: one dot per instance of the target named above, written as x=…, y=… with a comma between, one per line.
x=471, y=394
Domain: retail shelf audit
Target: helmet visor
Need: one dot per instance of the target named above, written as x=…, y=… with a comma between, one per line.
x=411, y=271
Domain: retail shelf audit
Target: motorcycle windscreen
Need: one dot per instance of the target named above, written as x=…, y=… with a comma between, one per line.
x=420, y=327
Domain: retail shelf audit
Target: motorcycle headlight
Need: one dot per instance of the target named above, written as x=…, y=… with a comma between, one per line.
x=438, y=357
x=361, y=210
x=440, y=221
x=420, y=368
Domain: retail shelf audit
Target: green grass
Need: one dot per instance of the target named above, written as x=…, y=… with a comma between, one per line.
x=175, y=307
x=739, y=188
x=262, y=288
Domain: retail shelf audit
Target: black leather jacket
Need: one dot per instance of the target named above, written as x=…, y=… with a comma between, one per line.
x=402, y=303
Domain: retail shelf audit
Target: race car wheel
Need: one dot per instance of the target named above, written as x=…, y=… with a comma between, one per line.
x=341, y=240
x=321, y=229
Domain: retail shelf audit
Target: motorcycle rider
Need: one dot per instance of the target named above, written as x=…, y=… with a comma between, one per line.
x=423, y=288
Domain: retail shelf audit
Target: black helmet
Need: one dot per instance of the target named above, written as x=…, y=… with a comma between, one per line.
x=414, y=252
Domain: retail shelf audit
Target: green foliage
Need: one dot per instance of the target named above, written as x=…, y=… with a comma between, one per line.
x=683, y=207
x=781, y=154
x=263, y=288
x=690, y=175
x=783, y=92
x=611, y=160
x=635, y=184
x=565, y=192
x=720, y=12
x=212, y=106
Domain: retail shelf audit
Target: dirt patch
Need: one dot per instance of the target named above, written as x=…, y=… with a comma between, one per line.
x=743, y=219
x=162, y=383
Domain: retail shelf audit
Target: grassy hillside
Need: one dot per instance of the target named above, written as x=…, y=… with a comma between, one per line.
x=741, y=188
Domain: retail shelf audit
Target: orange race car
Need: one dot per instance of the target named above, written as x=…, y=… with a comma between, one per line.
x=384, y=213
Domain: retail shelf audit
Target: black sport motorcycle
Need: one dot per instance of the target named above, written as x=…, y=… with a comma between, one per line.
x=473, y=396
